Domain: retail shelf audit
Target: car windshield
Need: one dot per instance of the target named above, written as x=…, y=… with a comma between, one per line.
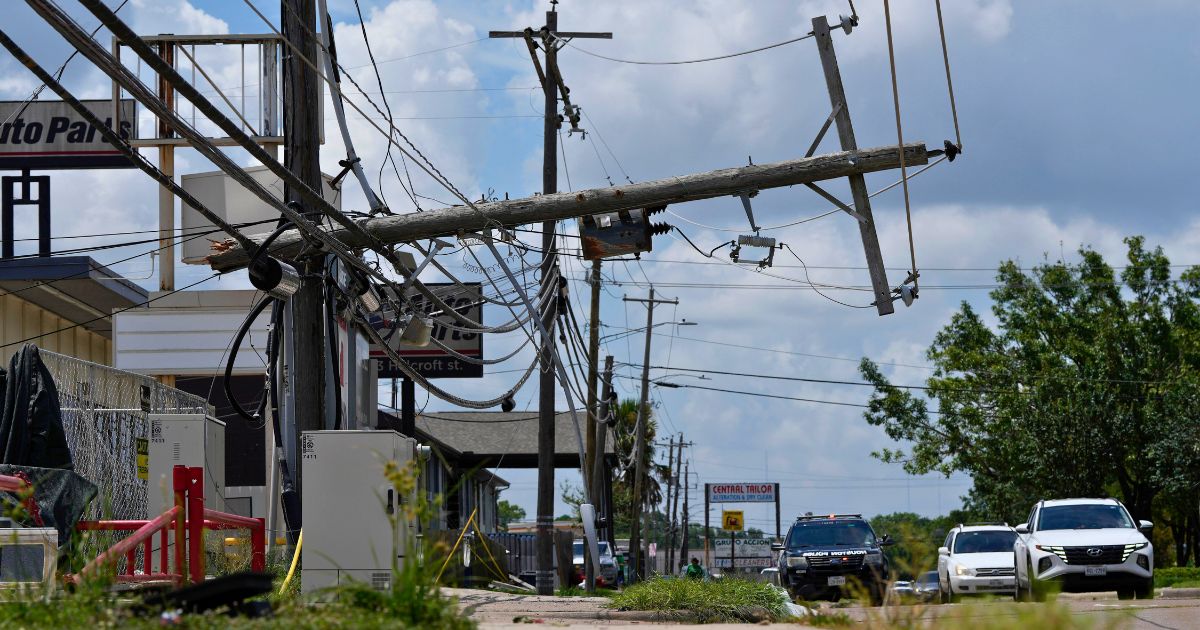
x=929, y=577
x=831, y=533
x=984, y=541
x=1084, y=516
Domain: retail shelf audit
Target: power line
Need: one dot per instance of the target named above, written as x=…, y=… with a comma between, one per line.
x=685, y=61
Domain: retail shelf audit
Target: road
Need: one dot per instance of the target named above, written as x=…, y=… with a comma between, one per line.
x=496, y=611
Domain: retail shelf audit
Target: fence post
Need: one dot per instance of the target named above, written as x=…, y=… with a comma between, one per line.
x=195, y=523
x=179, y=478
x=258, y=542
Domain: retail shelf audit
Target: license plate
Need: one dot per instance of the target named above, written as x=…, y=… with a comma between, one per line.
x=1095, y=570
x=995, y=583
x=837, y=580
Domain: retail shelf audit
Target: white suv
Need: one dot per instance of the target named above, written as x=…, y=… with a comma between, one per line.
x=1083, y=545
x=976, y=560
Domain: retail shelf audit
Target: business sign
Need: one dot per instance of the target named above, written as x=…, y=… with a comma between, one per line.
x=741, y=492
x=744, y=547
x=760, y=563
x=41, y=135
x=432, y=361
x=733, y=520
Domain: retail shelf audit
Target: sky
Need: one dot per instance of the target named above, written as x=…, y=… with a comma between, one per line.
x=1076, y=131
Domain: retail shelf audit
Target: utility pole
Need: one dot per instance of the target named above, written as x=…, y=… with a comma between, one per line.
x=552, y=85
x=687, y=530
x=639, y=479
x=301, y=129
x=675, y=506
x=593, y=411
x=598, y=476
x=672, y=470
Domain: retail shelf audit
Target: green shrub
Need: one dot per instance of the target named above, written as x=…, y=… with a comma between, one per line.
x=705, y=600
x=1177, y=577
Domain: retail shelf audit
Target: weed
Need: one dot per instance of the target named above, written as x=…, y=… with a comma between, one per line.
x=706, y=600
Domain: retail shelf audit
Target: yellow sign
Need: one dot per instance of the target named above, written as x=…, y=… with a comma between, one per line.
x=732, y=520
x=143, y=458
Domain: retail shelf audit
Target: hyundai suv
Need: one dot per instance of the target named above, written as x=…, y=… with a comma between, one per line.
x=823, y=555
x=976, y=560
x=1083, y=545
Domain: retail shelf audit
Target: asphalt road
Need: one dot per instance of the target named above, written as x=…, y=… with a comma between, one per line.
x=496, y=611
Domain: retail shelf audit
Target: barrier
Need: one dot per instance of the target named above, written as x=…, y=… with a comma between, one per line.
x=188, y=518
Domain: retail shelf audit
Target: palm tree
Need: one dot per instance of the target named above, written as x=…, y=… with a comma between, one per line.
x=625, y=431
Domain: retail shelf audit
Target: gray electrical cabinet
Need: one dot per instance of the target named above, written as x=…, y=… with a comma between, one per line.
x=354, y=524
x=188, y=439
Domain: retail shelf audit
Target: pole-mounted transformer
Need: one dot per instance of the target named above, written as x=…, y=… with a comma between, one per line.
x=620, y=233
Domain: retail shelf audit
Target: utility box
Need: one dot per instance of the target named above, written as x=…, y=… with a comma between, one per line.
x=193, y=440
x=354, y=524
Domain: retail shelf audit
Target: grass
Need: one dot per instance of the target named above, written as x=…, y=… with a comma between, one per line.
x=1177, y=577
x=705, y=600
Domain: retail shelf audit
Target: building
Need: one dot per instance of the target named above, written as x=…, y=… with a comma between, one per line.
x=63, y=304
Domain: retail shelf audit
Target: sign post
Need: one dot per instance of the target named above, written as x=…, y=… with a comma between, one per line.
x=733, y=521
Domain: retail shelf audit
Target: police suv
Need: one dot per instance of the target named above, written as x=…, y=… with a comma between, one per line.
x=823, y=556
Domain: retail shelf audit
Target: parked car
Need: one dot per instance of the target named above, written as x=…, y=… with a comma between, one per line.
x=902, y=590
x=1083, y=545
x=607, y=575
x=975, y=560
x=925, y=588
x=823, y=555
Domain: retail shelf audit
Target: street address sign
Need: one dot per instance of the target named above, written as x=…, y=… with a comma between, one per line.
x=432, y=361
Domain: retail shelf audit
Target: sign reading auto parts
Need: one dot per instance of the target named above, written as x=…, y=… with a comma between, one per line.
x=50, y=135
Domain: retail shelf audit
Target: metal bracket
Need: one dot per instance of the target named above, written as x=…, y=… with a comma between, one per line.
x=745, y=197
x=837, y=202
x=812, y=148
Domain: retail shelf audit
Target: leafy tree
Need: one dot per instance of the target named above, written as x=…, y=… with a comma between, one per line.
x=509, y=512
x=623, y=482
x=1086, y=385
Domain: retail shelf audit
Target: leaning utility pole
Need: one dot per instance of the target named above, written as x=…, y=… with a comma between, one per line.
x=638, y=559
x=301, y=130
x=552, y=85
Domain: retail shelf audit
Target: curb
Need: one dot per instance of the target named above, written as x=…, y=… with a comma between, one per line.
x=1178, y=593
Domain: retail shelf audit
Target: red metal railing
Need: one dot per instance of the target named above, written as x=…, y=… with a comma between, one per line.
x=189, y=518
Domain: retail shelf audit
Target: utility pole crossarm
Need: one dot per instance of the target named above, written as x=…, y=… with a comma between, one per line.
x=449, y=221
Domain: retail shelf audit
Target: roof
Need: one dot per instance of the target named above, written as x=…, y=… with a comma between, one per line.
x=495, y=438
x=1081, y=501
x=988, y=527
x=76, y=288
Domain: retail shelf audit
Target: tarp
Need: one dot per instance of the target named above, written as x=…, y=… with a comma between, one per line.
x=31, y=428
x=60, y=497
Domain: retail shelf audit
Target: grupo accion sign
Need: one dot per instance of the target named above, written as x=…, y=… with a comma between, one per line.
x=741, y=492
x=50, y=135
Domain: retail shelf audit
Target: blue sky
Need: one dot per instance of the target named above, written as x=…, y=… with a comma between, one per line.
x=1077, y=119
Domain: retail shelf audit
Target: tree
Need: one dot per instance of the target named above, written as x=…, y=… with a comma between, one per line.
x=623, y=482
x=508, y=513
x=1086, y=386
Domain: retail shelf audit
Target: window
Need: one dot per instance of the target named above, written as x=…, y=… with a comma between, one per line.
x=1085, y=516
x=988, y=541
x=831, y=533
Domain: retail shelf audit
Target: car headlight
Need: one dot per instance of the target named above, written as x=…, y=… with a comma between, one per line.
x=874, y=559
x=960, y=571
x=797, y=561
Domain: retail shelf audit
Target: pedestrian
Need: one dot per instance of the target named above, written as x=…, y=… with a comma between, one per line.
x=694, y=570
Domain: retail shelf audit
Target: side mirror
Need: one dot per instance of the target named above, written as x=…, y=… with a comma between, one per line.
x=943, y=551
x=777, y=546
x=1023, y=528
x=886, y=541
x=1145, y=526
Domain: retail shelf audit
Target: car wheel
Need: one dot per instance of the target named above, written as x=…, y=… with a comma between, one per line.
x=943, y=596
x=1145, y=590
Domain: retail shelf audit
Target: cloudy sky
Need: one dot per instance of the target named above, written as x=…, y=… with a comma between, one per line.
x=1076, y=119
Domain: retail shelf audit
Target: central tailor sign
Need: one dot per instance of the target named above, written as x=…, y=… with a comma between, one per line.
x=757, y=492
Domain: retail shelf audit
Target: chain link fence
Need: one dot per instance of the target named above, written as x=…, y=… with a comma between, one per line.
x=105, y=418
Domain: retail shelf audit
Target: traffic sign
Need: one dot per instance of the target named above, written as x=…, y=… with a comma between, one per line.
x=732, y=520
